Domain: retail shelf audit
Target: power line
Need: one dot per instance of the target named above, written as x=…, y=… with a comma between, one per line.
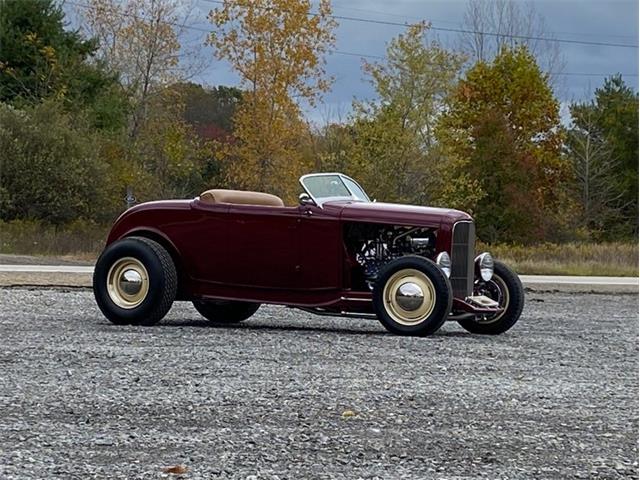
x=389, y=14
x=474, y=32
x=336, y=52
x=396, y=15
x=204, y=30
x=123, y=14
x=593, y=74
x=354, y=54
x=491, y=34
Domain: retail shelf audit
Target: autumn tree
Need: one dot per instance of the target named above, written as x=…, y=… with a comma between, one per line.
x=502, y=135
x=177, y=159
x=209, y=109
x=332, y=144
x=277, y=47
x=491, y=25
x=394, y=150
x=140, y=40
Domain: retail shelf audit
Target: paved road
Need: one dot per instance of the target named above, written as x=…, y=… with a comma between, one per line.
x=574, y=280
x=80, y=275
x=290, y=395
x=47, y=268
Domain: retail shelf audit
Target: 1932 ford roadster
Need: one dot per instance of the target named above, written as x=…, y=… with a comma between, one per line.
x=337, y=253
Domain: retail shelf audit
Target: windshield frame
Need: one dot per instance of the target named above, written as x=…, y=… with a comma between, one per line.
x=322, y=200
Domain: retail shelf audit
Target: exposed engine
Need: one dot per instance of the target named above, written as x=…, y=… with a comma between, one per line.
x=373, y=246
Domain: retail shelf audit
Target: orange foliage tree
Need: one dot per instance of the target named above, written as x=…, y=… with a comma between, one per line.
x=277, y=47
x=502, y=135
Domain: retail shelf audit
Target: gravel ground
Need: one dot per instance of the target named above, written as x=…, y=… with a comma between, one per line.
x=290, y=395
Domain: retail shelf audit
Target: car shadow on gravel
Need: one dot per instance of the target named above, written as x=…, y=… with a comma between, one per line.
x=267, y=327
x=293, y=328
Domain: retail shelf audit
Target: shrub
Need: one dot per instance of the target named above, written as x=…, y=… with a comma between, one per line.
x=50, y=170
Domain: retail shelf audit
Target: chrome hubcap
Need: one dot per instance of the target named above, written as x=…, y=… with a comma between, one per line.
x=128, y=282
x=409, y=296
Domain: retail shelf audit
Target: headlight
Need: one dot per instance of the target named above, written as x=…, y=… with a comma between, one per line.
x=444, y=262
x=484, y=265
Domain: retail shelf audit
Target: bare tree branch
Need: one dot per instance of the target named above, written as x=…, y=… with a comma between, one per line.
x=507, y=19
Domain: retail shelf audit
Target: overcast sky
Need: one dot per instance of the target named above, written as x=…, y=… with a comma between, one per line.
x=609, y=21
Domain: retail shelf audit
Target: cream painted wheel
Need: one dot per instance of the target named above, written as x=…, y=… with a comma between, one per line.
x=135, y=281
x=412, y=296
x=127, y=283
x=409, y=297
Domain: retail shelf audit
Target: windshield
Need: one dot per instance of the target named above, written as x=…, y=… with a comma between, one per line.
x=356, y=190
x=322, y=187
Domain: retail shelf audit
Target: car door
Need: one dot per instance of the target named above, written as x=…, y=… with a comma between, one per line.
x=244, y=245
x=261, y=247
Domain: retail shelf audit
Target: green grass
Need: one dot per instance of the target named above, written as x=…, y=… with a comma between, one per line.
x=84, y=241
x=599, y=259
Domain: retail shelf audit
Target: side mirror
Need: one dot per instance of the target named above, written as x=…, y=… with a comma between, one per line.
x=305, y=199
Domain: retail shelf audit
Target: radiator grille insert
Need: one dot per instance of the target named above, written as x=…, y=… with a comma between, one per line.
x=462, y=256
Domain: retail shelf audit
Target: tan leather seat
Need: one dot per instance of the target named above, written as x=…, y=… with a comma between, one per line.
x=241, y=197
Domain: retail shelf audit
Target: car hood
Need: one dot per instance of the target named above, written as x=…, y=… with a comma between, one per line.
x=379, y=212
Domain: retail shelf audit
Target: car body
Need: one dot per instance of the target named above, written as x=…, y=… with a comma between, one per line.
x=323, y=255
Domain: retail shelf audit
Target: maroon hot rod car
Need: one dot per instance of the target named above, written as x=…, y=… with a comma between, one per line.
x=337, y=253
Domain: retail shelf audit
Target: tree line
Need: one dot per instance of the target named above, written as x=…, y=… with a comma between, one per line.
x=87, y=114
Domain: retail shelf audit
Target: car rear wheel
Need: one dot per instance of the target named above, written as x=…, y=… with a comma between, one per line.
x=225, y=312
x=135, y=282
x=412, y=296
x=506, y=289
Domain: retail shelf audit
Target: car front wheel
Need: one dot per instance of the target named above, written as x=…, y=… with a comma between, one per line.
x=135, y=282
x=506, y=289
x=225, y=311
x=412, y=296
